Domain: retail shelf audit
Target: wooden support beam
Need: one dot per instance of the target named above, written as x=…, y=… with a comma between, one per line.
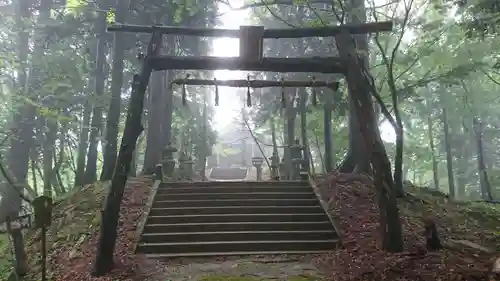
x=314, y=64
x=326, y=31
x=242, y=83
x=251, y=42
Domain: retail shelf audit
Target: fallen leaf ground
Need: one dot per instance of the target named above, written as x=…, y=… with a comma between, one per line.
x=73, y=236
x=352, y=204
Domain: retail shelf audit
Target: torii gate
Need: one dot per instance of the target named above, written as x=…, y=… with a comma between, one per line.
x=250, y=59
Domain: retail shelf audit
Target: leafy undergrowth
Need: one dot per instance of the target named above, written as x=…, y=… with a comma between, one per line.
x=74, y=233
x=352, y=205
x=5, y=257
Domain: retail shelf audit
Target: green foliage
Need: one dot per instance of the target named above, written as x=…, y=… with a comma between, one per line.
x=5, y=257
x=435, y=63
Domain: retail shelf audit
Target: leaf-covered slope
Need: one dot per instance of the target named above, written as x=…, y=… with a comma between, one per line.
x=352, y=204
x=74, y=233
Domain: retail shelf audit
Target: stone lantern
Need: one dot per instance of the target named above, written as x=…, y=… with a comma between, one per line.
x=275, y=162
x=257, y=163
x=168, y=160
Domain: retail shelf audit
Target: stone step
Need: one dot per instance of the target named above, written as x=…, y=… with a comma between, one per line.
x=238, y=226
x=228, y=173
x=242, y=195
x=237, y=246
x=234, y=183
x=183, y=237
x=165, y=189
x=234, y=210
x=238, y=218
x=235, y=203
x=168, y=256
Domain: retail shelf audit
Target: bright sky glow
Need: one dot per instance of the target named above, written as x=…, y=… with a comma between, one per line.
x=230, y=104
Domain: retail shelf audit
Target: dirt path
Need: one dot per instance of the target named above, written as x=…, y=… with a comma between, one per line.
x=256, y=268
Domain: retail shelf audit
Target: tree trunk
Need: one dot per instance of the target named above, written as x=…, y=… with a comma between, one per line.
x=461, y=175
x=303, y=127
x=435, y=172
x=318, y=148
x=311, y=161
x=33, y=174
x=154, y=135
x=21, y=142
x=59, y=160
x=133, y=165
x=169, y=110
x=359, y=90
x=398, y=159
x=204, y=148
x=99, y=78
x=449, y=157
x=484, y=182
x=273, y=135
x=291, y=116
x=49, y=144
x=168, y=92
x=113, y=118
x=83, y=144
x=356, y=159
x=327, y=123
x=244, y=149
x=18, y=156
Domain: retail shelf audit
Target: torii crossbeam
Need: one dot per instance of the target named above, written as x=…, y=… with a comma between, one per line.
x=251, y=58
x=242, y=83
x=251, y=48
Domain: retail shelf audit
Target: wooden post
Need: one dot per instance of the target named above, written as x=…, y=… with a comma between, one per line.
x=327, y=129
x=251, y=42
x=15, y=231
x=133, y=127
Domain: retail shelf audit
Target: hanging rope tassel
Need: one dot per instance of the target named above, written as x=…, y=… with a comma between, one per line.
x=184, y=99
x=314, y=94
x=283, y=101
x=184, y=92
x=249, y=98
x=216, y=93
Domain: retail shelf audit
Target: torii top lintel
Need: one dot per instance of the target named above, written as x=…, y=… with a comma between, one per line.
x=326, y=31
x=251, y=47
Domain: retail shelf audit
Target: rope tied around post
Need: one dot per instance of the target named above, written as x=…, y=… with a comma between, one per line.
x=184, y=97
x=283, y=101
x=216, y=92
x=314, y=93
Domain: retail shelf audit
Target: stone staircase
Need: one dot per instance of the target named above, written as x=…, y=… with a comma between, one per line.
x=236, y=218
